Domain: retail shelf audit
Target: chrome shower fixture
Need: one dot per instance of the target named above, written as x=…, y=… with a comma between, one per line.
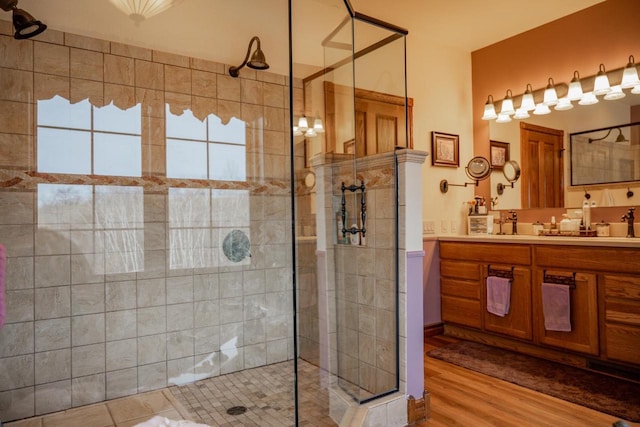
x=26, y=26
x=257, y=62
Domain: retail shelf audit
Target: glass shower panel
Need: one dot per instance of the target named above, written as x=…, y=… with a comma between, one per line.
x=346, y=207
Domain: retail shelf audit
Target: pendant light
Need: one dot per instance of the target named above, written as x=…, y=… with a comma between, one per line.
x=528, y=104
x=601, y=85
x=489, y=109
x=550, y=94
x=630, y=75
x=507, y=104
x=575, y=88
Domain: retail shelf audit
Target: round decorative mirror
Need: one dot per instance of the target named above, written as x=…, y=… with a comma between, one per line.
x=478, y=168
x=511, y=172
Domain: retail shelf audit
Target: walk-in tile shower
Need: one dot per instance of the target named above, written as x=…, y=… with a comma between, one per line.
x=163, y=223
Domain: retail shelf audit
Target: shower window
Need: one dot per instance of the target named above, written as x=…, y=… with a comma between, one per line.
x=84, y=139
x=205, y=149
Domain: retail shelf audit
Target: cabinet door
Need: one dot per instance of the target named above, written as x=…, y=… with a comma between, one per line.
x=622, y=318
x=584, y=314
x=516, y=323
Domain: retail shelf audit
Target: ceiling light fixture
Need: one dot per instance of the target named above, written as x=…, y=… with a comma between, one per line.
x=303, y=127
x=139, y=10
x=26, y=26
x=257, y=61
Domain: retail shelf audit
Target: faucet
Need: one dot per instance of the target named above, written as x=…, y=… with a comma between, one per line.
x=629, y=218
x=514, y=221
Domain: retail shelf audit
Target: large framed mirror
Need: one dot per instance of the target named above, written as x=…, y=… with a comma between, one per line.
x=605, y=155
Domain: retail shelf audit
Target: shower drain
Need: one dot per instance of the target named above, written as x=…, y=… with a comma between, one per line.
x=237, y=410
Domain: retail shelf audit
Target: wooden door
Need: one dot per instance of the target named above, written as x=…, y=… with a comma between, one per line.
x=380, y=120
x=541, y=151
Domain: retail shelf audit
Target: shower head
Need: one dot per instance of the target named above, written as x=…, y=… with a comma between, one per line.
x=257, y=62
x=24, y=23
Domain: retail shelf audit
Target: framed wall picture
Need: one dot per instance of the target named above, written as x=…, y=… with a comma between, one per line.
x=499, y=154
x=445, y=149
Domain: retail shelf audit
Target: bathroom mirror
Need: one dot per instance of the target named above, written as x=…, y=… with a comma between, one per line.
x=581, y=118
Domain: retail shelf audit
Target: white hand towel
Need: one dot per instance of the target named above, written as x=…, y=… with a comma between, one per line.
x=556, y=307
x=498, y=295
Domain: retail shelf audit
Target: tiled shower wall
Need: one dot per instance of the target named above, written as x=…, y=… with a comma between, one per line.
x=118, y=285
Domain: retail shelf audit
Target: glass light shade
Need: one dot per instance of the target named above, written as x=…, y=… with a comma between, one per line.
x=575, y=88
x=297, y=131
x=563, y=104
x=310, y=133
x=139, y=10
x=630, y=75
x=317, y=125
x=521, y=113
x=550, y=94
x=541, y=109
x=616, y=93
x=636, y=90
x=601, y=85
x=507, y=104
x=588, y=99
x=489, y=111
x=303, y=124
x=503, y=118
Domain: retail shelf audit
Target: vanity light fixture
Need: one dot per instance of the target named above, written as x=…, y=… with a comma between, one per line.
x=616, y=93
x=507, y=104
x=26, y=26
x=489, y=109
x=528, y=104
x=575, y=88
x=550, y=94
x=541, y=109
x=601, y=85
x=589, y=98
x=630, y=75
x=303, y=127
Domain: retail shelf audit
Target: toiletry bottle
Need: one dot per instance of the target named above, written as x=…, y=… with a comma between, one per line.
x=586, y=214
x=537, y=228
x=553, y=226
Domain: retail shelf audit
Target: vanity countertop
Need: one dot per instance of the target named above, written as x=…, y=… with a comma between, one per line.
x=623, y=242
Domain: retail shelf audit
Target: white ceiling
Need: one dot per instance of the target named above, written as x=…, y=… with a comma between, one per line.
x=221, y=29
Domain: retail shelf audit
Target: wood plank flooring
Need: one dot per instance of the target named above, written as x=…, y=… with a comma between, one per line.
x=460, y=397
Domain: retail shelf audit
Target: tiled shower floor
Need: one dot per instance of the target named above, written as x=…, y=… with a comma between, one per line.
x=266, y=392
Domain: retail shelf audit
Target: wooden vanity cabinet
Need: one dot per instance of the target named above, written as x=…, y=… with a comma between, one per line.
x=621, y=329
x=463, y=271
x=583, y=337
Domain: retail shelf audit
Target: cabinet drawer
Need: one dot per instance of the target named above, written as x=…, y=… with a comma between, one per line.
x=460, y=288
x=623, y=343
x=462, y=311
x=622, y=260
x=487, y=252
x=460, y=270
x=623, y=311
x=622, y=287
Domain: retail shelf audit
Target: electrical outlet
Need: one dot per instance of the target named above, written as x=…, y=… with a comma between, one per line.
x=444, y=226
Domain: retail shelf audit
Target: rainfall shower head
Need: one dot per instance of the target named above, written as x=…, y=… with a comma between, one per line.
x=26, y=26
x=257, y=62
